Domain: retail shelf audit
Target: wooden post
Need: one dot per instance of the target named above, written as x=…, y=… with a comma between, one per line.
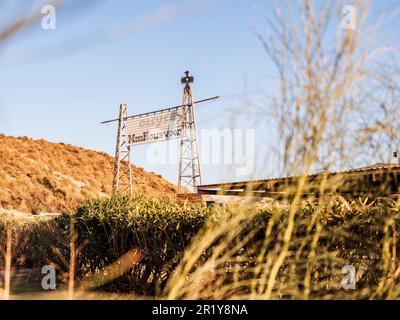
x=72, y=258
x=122, y=153
x=7, y=275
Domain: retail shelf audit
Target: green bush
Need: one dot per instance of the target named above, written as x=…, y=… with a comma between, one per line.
x=35, y=241
x=159, y=229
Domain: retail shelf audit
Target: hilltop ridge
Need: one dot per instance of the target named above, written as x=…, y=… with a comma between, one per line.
x=40, y=176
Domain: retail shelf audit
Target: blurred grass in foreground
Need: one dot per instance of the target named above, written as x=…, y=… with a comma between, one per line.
x=144, y=248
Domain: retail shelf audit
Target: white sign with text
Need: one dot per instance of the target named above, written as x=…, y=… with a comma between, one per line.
x=156, y=127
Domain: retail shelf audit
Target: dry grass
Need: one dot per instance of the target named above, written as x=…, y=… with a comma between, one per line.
x=293, y=252
x=40, y=176
x=132, y=249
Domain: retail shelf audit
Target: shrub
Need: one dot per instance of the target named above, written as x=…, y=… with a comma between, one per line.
x=189, y=251
x=272, y=254
x=36, y=242
x=159, y=229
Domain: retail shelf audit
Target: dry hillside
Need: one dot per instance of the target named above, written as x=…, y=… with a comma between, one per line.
x=40, y=176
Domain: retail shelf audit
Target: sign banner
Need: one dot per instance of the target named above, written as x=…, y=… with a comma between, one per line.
x=156, y=127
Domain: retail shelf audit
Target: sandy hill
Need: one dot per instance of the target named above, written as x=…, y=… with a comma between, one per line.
x=40, y=176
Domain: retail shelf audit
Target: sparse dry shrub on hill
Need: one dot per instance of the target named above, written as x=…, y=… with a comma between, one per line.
x=39, y=176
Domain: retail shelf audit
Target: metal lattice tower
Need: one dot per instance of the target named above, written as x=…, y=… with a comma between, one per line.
x=189, y=163
x=122, y=182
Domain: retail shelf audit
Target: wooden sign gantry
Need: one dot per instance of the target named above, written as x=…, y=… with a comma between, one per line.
x=122, y=181
x=190, y=176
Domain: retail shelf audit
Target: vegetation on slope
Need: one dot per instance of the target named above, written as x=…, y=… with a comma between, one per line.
x=40, y=176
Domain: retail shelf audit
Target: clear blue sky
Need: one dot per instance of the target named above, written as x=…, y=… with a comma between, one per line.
x=58, y=85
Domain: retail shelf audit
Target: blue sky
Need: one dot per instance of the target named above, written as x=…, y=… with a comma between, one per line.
x=58, y=85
